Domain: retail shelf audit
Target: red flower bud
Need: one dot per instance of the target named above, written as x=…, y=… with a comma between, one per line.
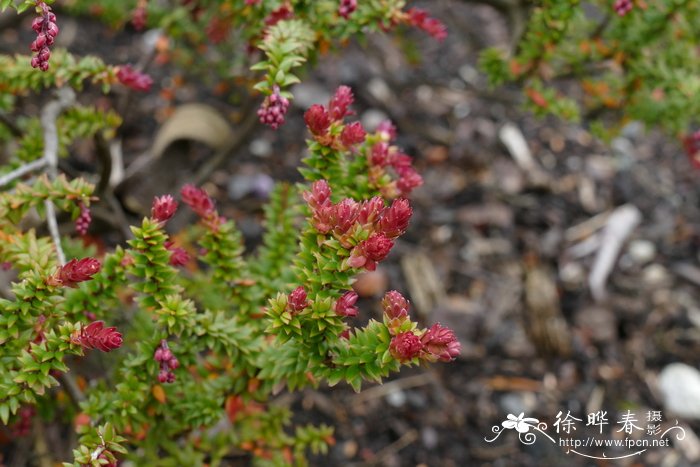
x=622, y=7
x=338, y=106
x=347, y=7
x=77, y=271
x=387, y=131
x=345, y=304
x=352, y=134
x=317, y=119
x=440, y=343
x=297, y=299
x=395, y=305
x=198, y=200
x=394, y=220
x=377, y=246
x=96, y=336
x=82, y=223
x=408, y=180
x=345, y=215
x=319, y=195
x=178, y=257
x=380, y=154
x=163, y=208
x=370, y=210
x=405, y=346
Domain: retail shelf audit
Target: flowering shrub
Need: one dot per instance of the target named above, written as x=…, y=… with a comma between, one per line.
x=607, y=61
x=200, y=336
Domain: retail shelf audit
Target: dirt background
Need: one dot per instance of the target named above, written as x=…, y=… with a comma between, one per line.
x=502, y=248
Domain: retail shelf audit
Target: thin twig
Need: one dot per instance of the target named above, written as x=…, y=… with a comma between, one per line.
x=22, y=171
x=65, y=98
x=72, y=388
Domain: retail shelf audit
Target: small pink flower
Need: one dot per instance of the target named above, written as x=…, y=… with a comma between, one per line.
x=82, y=223
x=317, y=120
x=273, y=109
x=340, y=102
x=96, y=336
x=76, y=271
x=622, y=7
x=281, y=13
x=198, y=200
x=134, y=79
x=405, y=346
x=163, y=208
x=166, y=361
x=440, y=343
x=395, y=305
x=347, y=7
x=352, y=134
x=297, y=299
x=46, y=30
x=139, y=15
x=345, y=306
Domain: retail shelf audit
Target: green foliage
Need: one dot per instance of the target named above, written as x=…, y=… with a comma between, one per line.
x=640, y=66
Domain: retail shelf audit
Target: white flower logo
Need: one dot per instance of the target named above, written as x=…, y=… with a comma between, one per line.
x=521, y=424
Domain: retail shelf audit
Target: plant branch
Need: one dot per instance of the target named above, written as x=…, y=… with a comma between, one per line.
x=65, y=98
x=23, y=170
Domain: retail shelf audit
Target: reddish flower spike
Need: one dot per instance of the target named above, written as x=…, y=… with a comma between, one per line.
x=395, y=218
x=395, y=305
x=340, y=103
x=96, y=336
x=440, y=343
x=77, y=271
x=46, y=30
x=353, y=134
x=163, y=208
x=296, y=300
x=317, y=120
x=134, y=79
x=345, y=306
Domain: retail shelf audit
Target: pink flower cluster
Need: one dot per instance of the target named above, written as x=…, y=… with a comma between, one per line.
x=347, y=7
x=622, y=7
x=82, y=223
x=46, y=32
x=134, y=79
x=23, y=426
x=96, y=336
x=273, y=109
x=320, y=120
x=367, y=228
x=167, y=361
x=345, y=305
x=420, y=19
x=433, y=344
